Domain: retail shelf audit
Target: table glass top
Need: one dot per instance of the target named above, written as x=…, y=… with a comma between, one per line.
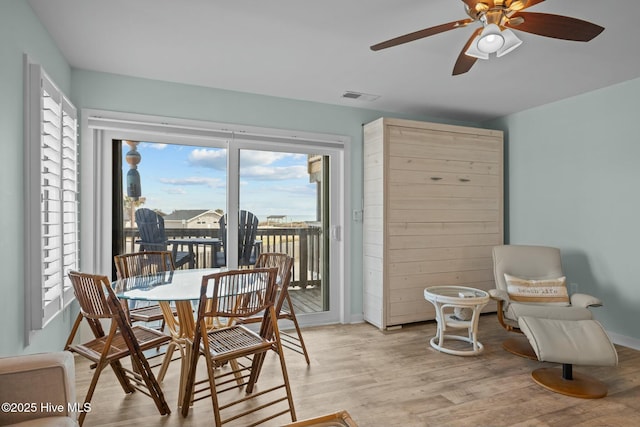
x=178, y=285
x=196, y=240
x=455, y=292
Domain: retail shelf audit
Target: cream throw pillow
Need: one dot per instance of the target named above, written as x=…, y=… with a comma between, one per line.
x=547, y=291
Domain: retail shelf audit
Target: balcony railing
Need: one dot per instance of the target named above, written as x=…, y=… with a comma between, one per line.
x=301, y=243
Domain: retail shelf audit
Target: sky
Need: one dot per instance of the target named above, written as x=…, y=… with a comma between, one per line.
x=177, y=177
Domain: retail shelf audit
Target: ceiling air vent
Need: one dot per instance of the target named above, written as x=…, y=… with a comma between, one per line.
x=359, y=96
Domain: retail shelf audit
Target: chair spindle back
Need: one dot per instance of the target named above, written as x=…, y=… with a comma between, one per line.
x=90, y=292
x=145, y=263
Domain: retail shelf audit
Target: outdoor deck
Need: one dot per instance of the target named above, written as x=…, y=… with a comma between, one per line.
x=306, y=300
x=303, y=243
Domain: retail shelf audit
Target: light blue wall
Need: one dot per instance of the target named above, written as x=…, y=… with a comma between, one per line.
x=135, y=95
x=20, y=32
x=574, y=179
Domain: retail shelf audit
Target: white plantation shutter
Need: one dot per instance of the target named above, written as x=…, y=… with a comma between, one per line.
x=51, y=198
x=70, y=202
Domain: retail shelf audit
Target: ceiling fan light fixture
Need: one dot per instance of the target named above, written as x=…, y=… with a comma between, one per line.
x=490, y=39
x=511, y=42
x=474, y=52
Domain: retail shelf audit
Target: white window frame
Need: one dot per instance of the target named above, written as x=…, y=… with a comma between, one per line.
x=51, y=198
x=101, y=127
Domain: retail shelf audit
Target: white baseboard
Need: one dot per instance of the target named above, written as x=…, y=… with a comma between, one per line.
x=624, y=340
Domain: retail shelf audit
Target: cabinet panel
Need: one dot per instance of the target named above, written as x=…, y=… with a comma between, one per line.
x=439, y=165
x=440, y=241
x=443, y=279
x=443, y=215
x=443, y=178
x=436, y=192
x=438, y=142
x=437, y=266
x=419, y=151
x=405, y=202
x=447, y=228
x=438, y=254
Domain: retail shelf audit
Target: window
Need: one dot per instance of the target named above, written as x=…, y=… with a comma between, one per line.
x=51, y=198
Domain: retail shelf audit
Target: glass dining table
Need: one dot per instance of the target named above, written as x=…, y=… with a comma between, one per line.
x=179, y=287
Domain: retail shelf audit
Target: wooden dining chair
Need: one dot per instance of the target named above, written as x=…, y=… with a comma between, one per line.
x=98, y=302
x=238, y=294
x=149, y=263
x=283, y=305
x=145, y=263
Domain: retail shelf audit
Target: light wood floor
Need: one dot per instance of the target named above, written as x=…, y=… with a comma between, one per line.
x=396, y=379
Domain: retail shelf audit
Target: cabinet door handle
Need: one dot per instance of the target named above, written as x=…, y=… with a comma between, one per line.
x=435, y=178
x=464, y=179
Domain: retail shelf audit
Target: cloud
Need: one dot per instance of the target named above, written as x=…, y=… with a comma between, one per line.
x=300, y=190
x=154, y=145
x=274, y=173
x=194, y=181
x=261, y=158
x=178, y=191
x=208, y=158
x=217, y=158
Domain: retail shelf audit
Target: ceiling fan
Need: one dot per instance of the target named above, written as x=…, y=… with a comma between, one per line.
x=498, y=17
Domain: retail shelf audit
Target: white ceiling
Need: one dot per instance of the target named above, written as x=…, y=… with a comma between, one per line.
x=316, y=50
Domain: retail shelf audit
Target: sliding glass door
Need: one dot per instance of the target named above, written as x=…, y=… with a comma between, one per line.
x=287, y=188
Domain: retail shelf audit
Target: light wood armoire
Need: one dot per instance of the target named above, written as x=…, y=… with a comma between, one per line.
x=433, y=210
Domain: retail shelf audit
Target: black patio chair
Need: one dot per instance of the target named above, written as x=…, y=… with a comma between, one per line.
x=153, y=237
x=248, y=247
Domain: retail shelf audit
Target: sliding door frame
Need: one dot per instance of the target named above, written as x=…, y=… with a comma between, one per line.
x=100, y=128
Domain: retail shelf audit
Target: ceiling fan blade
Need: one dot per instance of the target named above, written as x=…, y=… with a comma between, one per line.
x=465, y=62
x=532, y=3
x=557, y=26
x=422, y=34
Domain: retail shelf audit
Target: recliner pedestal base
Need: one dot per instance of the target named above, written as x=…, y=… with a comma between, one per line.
x=576, y=385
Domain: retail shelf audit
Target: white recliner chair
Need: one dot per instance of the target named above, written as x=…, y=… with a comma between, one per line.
x=530, y=282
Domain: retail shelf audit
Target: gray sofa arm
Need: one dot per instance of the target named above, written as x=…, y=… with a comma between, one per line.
x=584, y=301
x=42, y=390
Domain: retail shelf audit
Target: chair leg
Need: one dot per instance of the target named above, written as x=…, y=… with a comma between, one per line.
x=185, y=359
x=144, y=370
x=292, y=316
x=256, y=368
x=92, y=388
x=140, y=365
x=165, y=362
x=236, y=369
x=119, y=371
x=74, y=330
x=214, y=393
x=285, y=375
x=188, y=376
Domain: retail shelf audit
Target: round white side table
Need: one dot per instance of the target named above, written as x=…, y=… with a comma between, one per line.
x=457, y=307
